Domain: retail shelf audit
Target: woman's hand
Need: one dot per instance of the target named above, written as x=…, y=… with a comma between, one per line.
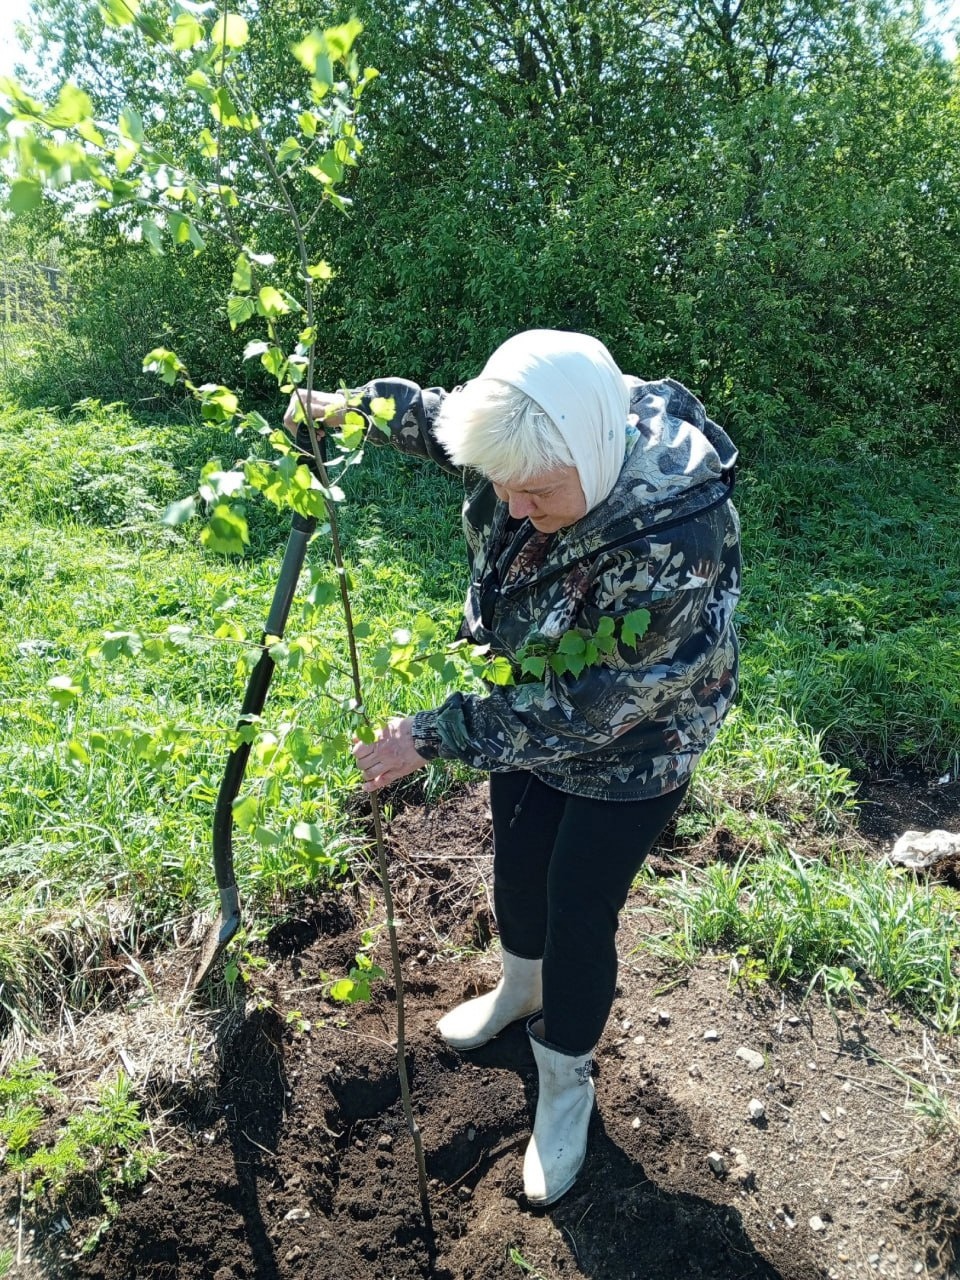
x=328, y=405
x=391, y=757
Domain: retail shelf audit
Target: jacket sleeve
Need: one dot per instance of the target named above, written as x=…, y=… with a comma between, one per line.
x=414, y=418
x=526, y=725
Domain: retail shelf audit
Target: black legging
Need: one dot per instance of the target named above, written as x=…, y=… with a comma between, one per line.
x=562, y=869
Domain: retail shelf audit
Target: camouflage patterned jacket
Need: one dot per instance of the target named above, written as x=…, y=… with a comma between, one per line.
x=632, y=725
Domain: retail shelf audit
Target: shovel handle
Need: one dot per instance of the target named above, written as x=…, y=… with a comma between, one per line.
x=253, y=702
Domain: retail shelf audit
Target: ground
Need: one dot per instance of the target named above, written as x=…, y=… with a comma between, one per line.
x=289, y=1155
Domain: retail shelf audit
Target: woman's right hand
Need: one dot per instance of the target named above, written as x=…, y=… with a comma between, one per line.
x=328, y=405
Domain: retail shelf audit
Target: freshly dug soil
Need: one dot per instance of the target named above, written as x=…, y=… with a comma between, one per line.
x=295, y=1160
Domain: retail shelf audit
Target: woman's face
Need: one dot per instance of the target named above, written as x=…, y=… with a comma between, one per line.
x=550, y=501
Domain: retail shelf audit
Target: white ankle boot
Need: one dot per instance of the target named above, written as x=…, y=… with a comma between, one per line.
x=556, y=1152
x=516, y=995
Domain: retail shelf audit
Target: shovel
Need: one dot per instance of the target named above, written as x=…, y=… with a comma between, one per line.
x=222, y=930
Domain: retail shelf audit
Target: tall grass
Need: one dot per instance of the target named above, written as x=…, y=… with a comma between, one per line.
x=839, y=925
x=851, y=613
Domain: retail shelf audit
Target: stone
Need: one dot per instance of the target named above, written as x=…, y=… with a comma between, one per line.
x=296, y=1215
x=817, y=1223
x=717, y=1163
x=755, y=1109
x=636, y=1123
x=385, y=1142
x=753, y=1059
x=694, y=1072
x=711, y=1034
x=920, y=849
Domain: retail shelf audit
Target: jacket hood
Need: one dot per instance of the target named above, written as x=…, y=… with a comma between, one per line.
x=681, y=462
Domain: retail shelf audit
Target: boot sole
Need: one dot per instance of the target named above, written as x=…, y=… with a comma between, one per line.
x=545, y=1203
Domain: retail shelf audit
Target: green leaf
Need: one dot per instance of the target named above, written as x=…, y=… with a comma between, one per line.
x=321, y=271
x=225, y=110
x=271, y=302
x=217, y=404
x=313, y=55
x=308, y=123
x=313, y=835
x=230, y=31
x=227, y=531
x=151, y=235
x=198, y=79
x=245, y=811
x=131, y=124
x=534, y=666
x=78, y=752
x=274, y=361
x=288, y=149
x=242, y=280
x=25, y=194
x=208, y=144
x=124, y=157
x=634, y=626
x=498, y=672
x=255, y=348
x=216, y=483
x=117, y=644
x=180, y=512
x=119, y=13
x=328, y=170
x=343, y=991
x=165, y=363
x=187, y=32
x=63, y=690
x=72, y=106
x=240, y=310
x=571, y=642
x=340, y=40
x=323, y=593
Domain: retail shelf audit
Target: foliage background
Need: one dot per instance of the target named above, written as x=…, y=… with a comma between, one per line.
x=760, y=199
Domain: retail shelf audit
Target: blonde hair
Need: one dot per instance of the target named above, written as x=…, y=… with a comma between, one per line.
x=498, y=430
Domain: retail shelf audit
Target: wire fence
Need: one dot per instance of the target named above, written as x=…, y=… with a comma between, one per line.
x=30, y=292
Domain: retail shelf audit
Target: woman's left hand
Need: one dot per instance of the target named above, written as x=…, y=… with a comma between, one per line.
x=390, y=757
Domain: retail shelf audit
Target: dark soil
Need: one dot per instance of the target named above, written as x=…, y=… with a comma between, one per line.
x=295, y=1161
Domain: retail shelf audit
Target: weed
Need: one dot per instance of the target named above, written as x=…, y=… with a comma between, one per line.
x=102, y=1147
x=98, y=1151
x=517, y=1258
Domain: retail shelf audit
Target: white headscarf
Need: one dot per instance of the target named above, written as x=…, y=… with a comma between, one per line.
x=575, y=381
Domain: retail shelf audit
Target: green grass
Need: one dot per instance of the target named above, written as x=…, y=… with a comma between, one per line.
x=851, y=612
x=109, y=783
x=837, y=925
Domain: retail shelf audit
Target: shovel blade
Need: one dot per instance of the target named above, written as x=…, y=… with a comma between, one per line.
x=216, y=938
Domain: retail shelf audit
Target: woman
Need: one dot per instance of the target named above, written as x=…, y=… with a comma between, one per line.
x=597, y=496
